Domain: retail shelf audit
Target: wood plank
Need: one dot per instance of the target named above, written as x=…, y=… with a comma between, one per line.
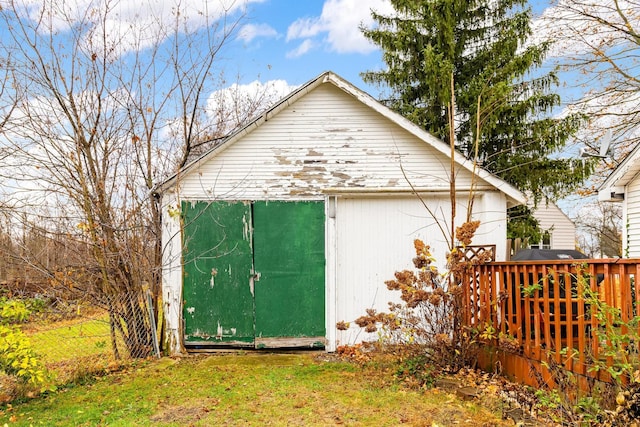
x=290, y=342
x=563, y=316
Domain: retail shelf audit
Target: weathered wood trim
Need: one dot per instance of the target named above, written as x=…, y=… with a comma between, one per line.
x=331, y=268
x=291, y=342
x=190, y=344
x=392, y=191
x=172, y=273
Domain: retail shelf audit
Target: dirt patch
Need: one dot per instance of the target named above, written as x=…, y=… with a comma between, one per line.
x=185, y=415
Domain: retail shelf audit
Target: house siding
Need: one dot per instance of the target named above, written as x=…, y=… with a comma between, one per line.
x=562, y=229
x=326, y=140
x=632, y=223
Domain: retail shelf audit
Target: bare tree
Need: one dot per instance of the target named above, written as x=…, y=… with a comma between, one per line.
x=597, y=41
x=599, y=227
x=104, y=111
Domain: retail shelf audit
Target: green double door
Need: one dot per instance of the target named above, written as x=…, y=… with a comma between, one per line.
x=254, y=273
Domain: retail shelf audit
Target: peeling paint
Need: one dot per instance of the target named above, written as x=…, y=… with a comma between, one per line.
x=191, y=310
x=302, y=192
x=219, y=331
x=245, y=229
x=199, y=334
x=283, y=160
x=342, y=176
x=308, y=169
x=214, y=273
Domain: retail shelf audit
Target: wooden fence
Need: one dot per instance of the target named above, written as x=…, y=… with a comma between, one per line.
x=534, y=314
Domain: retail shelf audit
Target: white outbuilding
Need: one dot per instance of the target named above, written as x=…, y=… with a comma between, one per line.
x=295, y=222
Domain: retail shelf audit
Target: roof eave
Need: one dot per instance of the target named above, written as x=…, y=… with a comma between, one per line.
x=514, y=196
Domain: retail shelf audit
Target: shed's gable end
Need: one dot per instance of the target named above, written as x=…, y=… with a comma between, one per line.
x=325, y=141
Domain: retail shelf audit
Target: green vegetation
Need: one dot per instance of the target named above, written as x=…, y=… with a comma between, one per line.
x=468, y=63
x=17, y=357
x=248, y=389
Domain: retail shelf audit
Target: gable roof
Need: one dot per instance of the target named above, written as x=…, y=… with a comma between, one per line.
x=613, y=187
x=328, y=77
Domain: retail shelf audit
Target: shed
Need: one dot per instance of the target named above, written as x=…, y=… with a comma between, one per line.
x=295, y=221
x=623, y=186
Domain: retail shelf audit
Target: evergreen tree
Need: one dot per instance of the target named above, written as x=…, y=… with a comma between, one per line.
x=478, y=48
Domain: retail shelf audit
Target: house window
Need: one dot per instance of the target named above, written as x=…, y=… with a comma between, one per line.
x=545, y=243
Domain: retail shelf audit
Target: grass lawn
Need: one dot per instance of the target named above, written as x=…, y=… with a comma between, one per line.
x=248, y=389
x=70, y=339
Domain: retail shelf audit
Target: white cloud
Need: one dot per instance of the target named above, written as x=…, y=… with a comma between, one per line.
x=305, y=27
x=236, y=105
x=250, y=31
x=128, y=24
x=303, y=48
x=340, y=23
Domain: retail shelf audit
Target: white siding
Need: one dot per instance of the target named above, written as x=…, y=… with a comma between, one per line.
x=327, y=139
x=562, y=229
x=330, y=146
x=632, y=202
x=172, y=272
x=490, y=208
x=374, y=239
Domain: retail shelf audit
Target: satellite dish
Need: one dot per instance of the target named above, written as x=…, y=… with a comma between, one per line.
x=584, y=153
x=605, y=147
x=605, y=144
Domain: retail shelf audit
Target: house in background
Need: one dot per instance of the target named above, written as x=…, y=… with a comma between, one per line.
x=295, y=221
x=623, y=186
x=559, y=231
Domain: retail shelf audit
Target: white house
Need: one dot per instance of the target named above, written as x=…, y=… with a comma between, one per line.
x=295, y=221
x=623, y=186
x=559, y=230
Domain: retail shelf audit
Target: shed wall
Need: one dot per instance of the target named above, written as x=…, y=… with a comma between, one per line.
x=374, y=239
x=172, y=272
x=327, y=139
x=330, y=146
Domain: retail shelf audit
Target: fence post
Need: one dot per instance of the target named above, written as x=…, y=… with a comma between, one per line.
x=152, y=322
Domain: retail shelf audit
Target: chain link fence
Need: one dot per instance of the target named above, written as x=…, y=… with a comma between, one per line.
x=75, y=338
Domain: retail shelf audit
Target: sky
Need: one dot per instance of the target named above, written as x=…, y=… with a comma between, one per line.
x=296, y=41
x=289, y=41
x=285, y=41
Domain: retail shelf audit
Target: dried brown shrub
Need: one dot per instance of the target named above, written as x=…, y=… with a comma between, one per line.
x=430, y=313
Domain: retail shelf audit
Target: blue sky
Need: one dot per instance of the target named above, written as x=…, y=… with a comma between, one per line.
x=297, y=40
